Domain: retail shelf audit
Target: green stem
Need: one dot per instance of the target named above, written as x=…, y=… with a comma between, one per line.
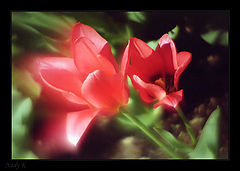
x=187, y=125
x=151, y=135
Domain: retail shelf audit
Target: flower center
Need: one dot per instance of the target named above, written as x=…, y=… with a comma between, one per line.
x=166, y=83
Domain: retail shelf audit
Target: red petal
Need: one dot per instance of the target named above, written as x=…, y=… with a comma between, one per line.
x=143, y=50
x=81, y=30
x=88, y=60
x=59, y=96
x=77, y=123
x=171, y=100
x=102, y=47
x=60, y=80
x=148, y=92
x=107, y=53
x=105, y=92
x=167, y=50
x=125, y=61
x=143, y=59
x=183, y=59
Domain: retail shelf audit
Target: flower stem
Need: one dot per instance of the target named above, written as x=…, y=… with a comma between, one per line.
x=151, y=135
x=187, y=125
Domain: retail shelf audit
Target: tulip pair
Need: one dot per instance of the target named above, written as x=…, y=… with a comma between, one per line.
x=91, y=83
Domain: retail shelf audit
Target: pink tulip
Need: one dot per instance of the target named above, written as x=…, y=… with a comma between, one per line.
x=84, y=86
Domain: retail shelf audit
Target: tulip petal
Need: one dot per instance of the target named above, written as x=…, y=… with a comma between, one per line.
x=170, y=100
x=81, y=30
x=143, y=50
x=60, y=80
x=77, y=123
x=107, y=53
x=88, y=60
x=102, y=47
x=167, y=50
x=125, y=61
x=104, y=91
x=148, y=92
x=142, y=59
x=183, y=59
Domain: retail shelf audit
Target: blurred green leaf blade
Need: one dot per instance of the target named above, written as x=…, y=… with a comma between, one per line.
x=24, y=109
x=173, y=142
x=137, y=17
x=208, y=143
x=41, y=32
x=174, y=32
x=153, y=44
x=21, y=110
x=146, y=114
x=219, y=37
x=48, y=23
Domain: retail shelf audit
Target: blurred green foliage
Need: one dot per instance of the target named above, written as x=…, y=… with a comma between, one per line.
x=208, y=143
x=207, y=146
x=138, y=17
x=173, y=142
x=51, y=31
x=24, y=82
x=143, y=112
x=216, y=37
x=46, y=23
x=153, y=44
x=174, y=32
x=34, y=32
x=21, y=111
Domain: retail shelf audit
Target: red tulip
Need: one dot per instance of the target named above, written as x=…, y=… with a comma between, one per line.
x=86, y=85
x=155, y=73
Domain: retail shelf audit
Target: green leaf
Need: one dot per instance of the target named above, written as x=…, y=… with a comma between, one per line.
x=135, y=104
x=148, y=118
x=21, y=110
x=16, y=50
x=224, y=39
x=22, y=153
x=174, y=142
x=24, y=109
x=137, y=17
x=208, y=144
x=151, y=116
x=153, y=44
x=174, y=32
x=48, y=23
x=41, y=32
x=120, y=37
x=216, y=37
x=23, y=80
